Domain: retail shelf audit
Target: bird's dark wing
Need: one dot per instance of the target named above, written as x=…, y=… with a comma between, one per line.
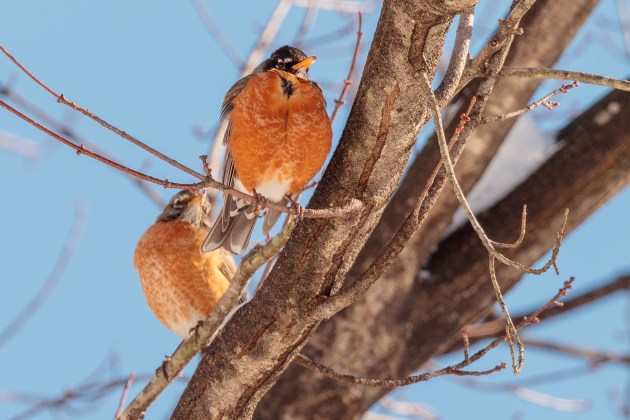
x=235, y=224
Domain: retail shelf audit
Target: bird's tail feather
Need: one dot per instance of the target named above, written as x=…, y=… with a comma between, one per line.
x=272, y=217
x=233, y=228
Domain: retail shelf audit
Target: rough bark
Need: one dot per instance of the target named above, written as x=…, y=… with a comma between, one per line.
x=364, y=338
x=261, y=339
x=423, y=318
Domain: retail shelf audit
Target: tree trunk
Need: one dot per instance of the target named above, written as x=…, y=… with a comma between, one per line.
x=262, y=338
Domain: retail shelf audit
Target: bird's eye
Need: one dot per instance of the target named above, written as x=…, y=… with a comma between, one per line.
x=280, y=65
x=178, y=204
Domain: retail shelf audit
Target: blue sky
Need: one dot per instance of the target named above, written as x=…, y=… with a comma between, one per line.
x=151, y=69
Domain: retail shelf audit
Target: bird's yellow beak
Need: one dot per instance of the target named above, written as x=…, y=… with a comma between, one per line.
x=196, y=199
x=306, y=63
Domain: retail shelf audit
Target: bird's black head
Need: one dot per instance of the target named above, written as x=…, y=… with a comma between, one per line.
x=289, y=59
x=189, y=206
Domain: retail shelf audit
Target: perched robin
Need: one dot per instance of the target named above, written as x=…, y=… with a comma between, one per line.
x=277, y=139
x=181, y=284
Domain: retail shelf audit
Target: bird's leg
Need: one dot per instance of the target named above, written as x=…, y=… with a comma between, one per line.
x=260, y=202
x=297, y=212
x=195, y=330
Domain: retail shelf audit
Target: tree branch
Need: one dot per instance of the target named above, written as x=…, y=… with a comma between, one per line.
x=348, y=81
x=62, y=99
x=545, y=73
x=458, y=60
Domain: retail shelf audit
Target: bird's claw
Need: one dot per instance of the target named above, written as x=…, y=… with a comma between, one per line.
x=297, y=211
x=260, y=202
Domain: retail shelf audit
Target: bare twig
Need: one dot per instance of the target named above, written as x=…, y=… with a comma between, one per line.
x=508, y=27
x=459, y=58
x=329, y=37
x=88, y=392
x=450, y=370
x=542, y=101
x=208, y=181
x=67, y=131
x=307, y=23
x=390, y=383
x=496, y=327
x=62, y=99
x=267, y=36
x=65, y=256
x=23, y=147
x=216, y=33
x=412, y=410
x=345, y=6
x=521, y=236
x=123, y=397
x=348, y=81
x=591, y=355
x=204, y=333
x=512, y=335
x=545, y=73
x=433, y=187
x=362, y=284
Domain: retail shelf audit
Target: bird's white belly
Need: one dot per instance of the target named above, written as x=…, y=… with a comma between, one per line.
x=272, y=189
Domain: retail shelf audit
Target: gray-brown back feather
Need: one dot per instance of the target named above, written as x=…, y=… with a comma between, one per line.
x=233, y=228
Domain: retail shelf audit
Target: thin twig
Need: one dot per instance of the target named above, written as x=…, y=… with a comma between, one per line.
x=450, y=370
x=545, y=73
x=329, y=37
x=542, y=101
x=90, y=392
x=20, y=146
x=55, y=276
x=67, y=131
x=503, y=36
x=307, y=23
x=267, y=36
x=425, y=202
x=521, y=235
x=348, y=81
x=593, y=356
x=495, y=327
x=208, y=182
x=344, y=6
x=204, y=333
x=466, y=341
x=215, y=32
x=62, y=99
x=309, y=363
x=83, y=151
x=414, y=220
x=123, y=397
x=512, y=335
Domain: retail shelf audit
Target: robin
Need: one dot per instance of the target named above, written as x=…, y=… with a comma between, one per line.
x=181, y=284
x=277, y=139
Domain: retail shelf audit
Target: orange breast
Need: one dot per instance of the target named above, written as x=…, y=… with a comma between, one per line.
x=279, y=136
x=182, y=285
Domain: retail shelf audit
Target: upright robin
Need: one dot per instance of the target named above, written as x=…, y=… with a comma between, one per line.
x=277, y=139
x=182, y=284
